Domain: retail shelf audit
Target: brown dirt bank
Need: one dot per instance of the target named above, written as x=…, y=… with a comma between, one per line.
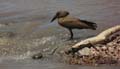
x=106, y=53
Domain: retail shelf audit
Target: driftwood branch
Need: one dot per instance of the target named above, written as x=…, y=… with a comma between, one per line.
x=94, y=40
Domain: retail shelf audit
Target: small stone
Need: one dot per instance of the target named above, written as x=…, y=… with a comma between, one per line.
x=104, y=48
x=118, y=49
x=117, y=35
x=85, y=51
x=110, y=49
x=98, y=48
x=37, y=56
x=118, y=42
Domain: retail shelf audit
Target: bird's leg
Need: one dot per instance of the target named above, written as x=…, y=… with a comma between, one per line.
x=71, y=34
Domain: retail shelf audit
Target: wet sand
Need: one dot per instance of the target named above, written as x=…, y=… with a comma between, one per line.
x=31, y=21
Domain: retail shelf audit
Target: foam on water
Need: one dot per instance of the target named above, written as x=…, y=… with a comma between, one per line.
x=43, y=40
x=24, y=49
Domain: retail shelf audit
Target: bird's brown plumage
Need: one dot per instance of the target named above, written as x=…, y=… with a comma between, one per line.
x=72, y=22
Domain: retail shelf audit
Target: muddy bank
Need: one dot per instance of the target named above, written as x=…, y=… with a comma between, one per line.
x=105, y=53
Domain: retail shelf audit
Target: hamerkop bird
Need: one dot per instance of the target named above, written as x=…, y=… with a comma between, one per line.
x=72, y=23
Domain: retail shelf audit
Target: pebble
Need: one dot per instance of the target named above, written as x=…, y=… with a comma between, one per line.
x=37, y=56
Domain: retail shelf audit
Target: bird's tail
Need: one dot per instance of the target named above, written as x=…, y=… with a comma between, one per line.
x=91, y=25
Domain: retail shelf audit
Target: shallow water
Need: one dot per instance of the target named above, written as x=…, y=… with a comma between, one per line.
x=31, y=21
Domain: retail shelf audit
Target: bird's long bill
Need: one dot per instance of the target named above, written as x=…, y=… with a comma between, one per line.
x=54, y=18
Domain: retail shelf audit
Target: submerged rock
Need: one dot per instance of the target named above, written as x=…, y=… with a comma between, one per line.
x=37, y=56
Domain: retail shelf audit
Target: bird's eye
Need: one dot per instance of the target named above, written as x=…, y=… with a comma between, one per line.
x=67, y=13
x=57, y=13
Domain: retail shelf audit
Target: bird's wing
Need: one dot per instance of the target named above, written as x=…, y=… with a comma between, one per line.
x=92, y=25
x=72, y=22
x=75, y=22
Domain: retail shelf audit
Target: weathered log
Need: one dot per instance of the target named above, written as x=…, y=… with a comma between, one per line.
x=90, y=42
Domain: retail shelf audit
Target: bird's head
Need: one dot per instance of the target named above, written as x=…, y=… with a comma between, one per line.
x=60, y=14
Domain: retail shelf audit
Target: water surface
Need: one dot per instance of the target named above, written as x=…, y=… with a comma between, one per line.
x=31, y=21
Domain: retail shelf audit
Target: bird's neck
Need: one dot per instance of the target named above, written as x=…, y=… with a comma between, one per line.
x=62, y=19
